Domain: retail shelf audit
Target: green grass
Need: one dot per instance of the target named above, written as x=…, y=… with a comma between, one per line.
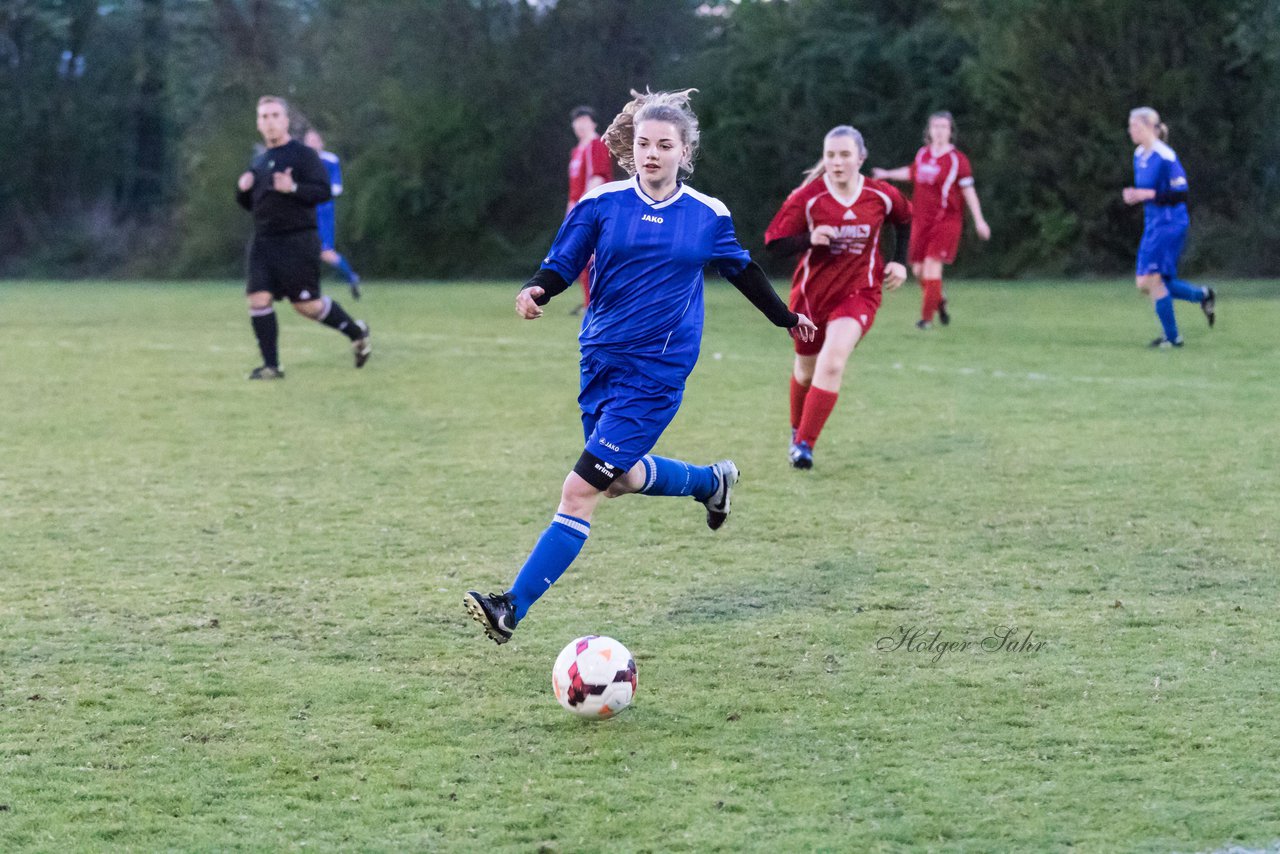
x=230, y=613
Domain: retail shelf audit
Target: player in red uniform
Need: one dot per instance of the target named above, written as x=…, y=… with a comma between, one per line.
x=589, y=167
x=835, y=220
x=941, y=177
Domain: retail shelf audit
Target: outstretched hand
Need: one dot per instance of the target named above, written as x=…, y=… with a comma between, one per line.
x=894, y=275
x=245, y=183
x=525, y=305
x=1134, y=196
x=804, y=330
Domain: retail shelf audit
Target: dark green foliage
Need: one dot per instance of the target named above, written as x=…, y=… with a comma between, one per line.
x=452, y=118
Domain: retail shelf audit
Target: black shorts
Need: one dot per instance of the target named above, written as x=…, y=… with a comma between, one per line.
x=287, y=265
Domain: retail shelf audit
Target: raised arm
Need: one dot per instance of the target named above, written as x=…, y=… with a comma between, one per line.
x=902, y=173
x=311, y=180
x=753, y=284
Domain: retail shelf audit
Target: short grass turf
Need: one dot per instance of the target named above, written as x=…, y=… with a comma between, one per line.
x=1025, y=600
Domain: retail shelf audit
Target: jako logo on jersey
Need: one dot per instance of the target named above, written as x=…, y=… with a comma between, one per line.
x=609, y=445
x=652, y=218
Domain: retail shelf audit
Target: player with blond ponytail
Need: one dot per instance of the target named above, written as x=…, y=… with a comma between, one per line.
x=1160, y=186
x=652, y=235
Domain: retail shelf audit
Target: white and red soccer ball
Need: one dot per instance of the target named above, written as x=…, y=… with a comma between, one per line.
x=594, y=676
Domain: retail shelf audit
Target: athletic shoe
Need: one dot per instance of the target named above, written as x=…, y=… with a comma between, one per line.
x=355, y=286
x=943, y=317
x=266, y=372
x=361, y=346
x=495, y=614
x=801, y=455
x=1207, y=305
x=1164, y=343
x=718, y=504
x=924, y=325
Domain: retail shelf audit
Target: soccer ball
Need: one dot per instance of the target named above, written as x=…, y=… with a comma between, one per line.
x=594, y=676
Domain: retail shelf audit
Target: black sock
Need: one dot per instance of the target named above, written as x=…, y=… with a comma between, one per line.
x=268, y=333
x=338, y=319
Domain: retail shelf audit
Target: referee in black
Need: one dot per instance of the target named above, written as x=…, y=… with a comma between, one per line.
x=282, y=188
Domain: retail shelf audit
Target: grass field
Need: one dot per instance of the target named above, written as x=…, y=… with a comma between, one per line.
x=230, y=612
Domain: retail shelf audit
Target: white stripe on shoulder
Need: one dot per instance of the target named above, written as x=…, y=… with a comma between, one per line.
x=1162, y=148
x=611, y=187
x=888, y=202
x=710, y=201
x=329, y=155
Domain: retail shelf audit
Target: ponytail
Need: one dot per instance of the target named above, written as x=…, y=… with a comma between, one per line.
x=1152, y=119
x=670, y=107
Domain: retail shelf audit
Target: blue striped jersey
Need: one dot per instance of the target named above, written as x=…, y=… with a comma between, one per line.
x=1159, y=169
x=646, y=308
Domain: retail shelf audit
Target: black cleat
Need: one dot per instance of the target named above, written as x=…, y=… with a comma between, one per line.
x=1164, y=343
x=1208, y=306
x=355, y=286
x=923, y=325
x=495, y=614
x=267, y=372
x=718, y=504
x=943, y=317
x=361, y=346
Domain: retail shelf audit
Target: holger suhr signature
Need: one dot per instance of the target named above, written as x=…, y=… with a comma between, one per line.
x=925, y=640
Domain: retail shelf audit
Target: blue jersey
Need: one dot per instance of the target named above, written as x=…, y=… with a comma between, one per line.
x=325, y=219
x=1160, y=170
x=334, y=168
x=646, y=307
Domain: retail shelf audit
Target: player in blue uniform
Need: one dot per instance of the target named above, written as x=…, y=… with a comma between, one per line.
x=651, y=235
x=1160, y=186
x=325, y=213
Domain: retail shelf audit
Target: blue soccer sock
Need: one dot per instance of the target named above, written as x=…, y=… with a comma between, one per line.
x=676, y=477
x=555, y=550
x=1185, y=290
x=1164, y=311
x=344, y=268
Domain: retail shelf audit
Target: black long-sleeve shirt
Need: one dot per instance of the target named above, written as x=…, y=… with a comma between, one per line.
x=282, y=213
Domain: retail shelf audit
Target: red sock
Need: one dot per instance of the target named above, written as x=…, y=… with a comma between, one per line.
x=932, y=298
x=798, y=393
x=817, y=408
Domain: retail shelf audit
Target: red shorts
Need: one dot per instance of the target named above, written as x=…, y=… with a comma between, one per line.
x=935, y=238
x=861, y=305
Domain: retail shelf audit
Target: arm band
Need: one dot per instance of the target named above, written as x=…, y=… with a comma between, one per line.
x=785, y=247
x=1171, y=198
x=755, y=286
x=550, y=282
x=902, y=233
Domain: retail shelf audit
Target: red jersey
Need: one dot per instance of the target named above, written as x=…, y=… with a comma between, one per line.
x=827, y=274
x=586, y=160
x=938, y=181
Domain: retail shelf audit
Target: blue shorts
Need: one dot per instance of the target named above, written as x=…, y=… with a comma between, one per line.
x=326, y=222
x=1160, y=249
x=623, y=412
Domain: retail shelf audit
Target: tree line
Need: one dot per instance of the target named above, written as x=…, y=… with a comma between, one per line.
x=124, y=124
